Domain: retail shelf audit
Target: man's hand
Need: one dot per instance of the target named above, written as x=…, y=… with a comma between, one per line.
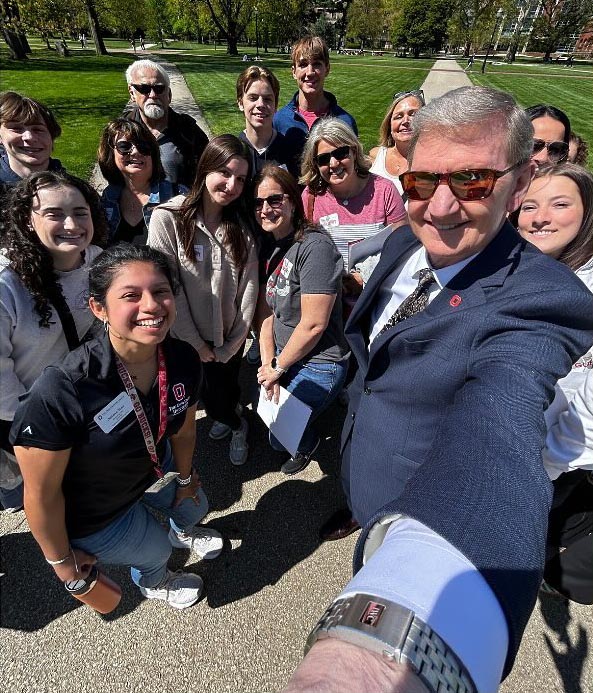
x=189, y=491
x=77, y=567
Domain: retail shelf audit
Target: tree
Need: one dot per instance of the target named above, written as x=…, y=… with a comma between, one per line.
x=421, y=25
x=91, y=11
x=558, y=22
x=12, y=30
x=158, y=22
x=52, y=17
x=366, y=20
x=124, y=17
x=471, y=21
x=231, y=17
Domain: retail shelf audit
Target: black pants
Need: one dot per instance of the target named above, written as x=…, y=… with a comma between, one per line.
x=569, y=559
x=220, y=389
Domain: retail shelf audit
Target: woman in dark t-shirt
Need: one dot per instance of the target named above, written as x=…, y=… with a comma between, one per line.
x=114, y=424
x=302, y=342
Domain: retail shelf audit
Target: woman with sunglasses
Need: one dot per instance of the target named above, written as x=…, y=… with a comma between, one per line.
x=556, y=215
x=341, y=194
x=302, y=341
x=551, y=134
x=129, y=160
x=54, y=229
x=207, y=240
x=390, y=157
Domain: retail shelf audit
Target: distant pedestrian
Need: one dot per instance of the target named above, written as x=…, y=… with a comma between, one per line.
x=470, y=62
x=142, y=44
x=82, y=40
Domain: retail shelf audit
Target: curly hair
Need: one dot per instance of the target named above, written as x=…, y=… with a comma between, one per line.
x=214, y=157
x=136, y=133
x=28, y=257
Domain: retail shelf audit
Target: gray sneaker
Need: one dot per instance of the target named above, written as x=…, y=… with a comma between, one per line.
x=206, y=542
x=178, y=589
x=239, y=448
x=220, y=430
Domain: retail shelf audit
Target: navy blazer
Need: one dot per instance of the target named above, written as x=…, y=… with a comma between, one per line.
x=449, y=404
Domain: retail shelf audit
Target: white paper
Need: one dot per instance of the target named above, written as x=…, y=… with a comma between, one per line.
x=114, y=412
x=287, y=420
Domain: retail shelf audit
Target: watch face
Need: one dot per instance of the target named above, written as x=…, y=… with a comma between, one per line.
x=274, y=363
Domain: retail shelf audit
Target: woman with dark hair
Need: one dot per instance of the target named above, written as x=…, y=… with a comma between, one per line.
x=551, y=134
x=302, y=341
x=341, y=194
x=28, y=130
x=556, y=215
x=390, y=158
x=206, y=239
x=130, y=161
x=113, y=424
x=54, y=229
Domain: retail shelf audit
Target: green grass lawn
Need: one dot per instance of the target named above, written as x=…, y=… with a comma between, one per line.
x=568, y=89
x=84, y=91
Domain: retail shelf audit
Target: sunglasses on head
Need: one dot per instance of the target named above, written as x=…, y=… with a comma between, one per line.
x=467, y=185
x=125, y=147
x=557, y=151
x=274, y=201
x=145, y=89
x=339, y=153
x=418, y=93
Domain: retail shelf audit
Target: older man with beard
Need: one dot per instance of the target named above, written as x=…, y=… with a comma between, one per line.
x=181, y=141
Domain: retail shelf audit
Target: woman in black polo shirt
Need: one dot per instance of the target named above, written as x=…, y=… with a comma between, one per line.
x=96, y=431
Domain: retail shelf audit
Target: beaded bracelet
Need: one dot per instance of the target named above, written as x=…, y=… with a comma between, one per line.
x=62, y=560
x=184, y=482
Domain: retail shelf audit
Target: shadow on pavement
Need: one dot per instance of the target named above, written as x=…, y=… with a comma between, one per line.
x=569, y=661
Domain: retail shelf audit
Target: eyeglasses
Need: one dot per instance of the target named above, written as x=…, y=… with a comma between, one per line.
x=274, y=201
x=418, y=93
x=467, y=185
x=339, y=154
x=125, y=147
x=557, y=151
x=145, y=89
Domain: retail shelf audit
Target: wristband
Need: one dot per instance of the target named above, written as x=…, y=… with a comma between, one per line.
x=61, y=560
x=184, y=482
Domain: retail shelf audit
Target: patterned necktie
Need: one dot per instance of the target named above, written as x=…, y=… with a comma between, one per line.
x=414, y=303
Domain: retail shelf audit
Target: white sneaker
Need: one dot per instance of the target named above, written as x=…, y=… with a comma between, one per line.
x=253, y=355
x=207, y=543
x=220, y=430
x=178, y=589
x=239, y=448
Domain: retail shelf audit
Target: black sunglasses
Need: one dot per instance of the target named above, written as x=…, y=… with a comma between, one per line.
x=125, y=147
x=418, y=93
x=339, y=154
x=467, y=185
x=557, y=151
x=274, y=201
x=147, y=88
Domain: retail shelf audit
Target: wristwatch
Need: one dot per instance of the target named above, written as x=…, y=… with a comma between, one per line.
x=394, y=631
x=276, y=366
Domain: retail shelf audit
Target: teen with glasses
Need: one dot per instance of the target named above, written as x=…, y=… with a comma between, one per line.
x=301, y=339
x=341, y=194
x=390, y=158
x=181, y=141
x=130, y=161
x=551, y=134
x=207, y=240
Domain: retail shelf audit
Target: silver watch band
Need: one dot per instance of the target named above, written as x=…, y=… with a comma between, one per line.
x=392, y=630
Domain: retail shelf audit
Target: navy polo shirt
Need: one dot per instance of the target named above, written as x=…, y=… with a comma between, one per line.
x=107, y=472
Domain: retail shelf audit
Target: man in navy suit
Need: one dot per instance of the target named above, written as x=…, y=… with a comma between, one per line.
x=460, y=335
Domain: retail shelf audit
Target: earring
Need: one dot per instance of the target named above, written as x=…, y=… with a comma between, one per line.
x=106, y=325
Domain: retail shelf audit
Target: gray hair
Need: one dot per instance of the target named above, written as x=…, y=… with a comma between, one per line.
x=146, y=65
x=338, y=134
x=455, y=110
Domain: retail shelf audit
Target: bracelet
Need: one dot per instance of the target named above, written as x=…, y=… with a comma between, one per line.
x=184, y=482
x=62, y=560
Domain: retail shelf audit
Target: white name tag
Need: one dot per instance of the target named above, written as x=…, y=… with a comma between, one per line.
x=329, y=221
x=199, y=250
x=160, y=484
x=117, y=410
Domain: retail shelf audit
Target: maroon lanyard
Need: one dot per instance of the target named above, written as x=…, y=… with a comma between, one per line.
x=139, y=409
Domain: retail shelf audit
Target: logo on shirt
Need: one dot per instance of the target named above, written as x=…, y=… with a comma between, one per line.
x=179, y=391
x=28, y=430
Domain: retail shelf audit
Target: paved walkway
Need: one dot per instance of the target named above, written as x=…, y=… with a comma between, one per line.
x=263, y=594
x=444, y=76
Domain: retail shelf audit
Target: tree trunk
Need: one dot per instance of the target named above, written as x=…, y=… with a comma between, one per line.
x=511, y=52
x=232, y=45
x=15, y=47
x=95, y=28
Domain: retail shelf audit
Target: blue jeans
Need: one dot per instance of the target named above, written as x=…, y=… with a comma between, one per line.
x=138, y=540
x=315, y=384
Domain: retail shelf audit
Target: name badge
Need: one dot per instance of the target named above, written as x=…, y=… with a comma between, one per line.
x=329, y=221
x=199, y=250
x=160, y=484
x=117, y=410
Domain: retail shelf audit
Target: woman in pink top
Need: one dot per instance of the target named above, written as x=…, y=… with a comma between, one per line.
x=341, y=194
